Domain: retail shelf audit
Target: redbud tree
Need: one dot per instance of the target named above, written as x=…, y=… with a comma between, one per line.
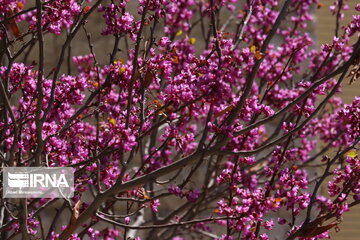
x=209, y=119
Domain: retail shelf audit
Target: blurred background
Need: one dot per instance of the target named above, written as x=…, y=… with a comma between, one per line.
x=324, y=33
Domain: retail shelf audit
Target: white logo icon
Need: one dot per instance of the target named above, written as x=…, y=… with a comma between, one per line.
x=18, y=180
